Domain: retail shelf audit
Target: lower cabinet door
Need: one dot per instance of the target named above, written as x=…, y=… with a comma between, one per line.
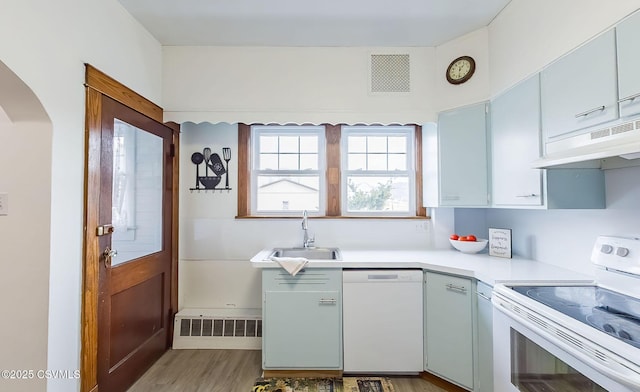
x=485, y=339
x=449, y=328
x=302, y=330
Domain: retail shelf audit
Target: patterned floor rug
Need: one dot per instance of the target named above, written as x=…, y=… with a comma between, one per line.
x=346, y=384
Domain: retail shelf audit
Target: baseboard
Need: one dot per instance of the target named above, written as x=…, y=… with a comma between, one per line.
x=302, y=374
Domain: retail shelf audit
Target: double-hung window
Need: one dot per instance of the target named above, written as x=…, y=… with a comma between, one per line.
x=288, y=169
x=378, y=170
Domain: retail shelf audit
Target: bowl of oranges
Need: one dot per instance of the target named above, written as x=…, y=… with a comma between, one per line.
x=468, y=243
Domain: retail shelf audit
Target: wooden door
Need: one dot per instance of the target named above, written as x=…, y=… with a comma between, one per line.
x=135, y=221
x=128, y=301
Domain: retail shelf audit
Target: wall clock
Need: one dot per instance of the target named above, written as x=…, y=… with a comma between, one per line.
x=461, y=69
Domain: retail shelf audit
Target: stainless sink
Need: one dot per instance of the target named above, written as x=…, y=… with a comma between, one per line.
x=308, y=253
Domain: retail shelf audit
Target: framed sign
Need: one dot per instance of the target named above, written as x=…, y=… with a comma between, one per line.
x=500, y=242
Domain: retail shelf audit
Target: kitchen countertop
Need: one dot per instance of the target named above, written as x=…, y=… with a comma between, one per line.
x=480, y=266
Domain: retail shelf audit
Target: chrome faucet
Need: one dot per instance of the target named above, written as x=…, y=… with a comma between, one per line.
x=307, y=241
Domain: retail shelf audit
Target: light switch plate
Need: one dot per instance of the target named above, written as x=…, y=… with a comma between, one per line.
x=4, y=204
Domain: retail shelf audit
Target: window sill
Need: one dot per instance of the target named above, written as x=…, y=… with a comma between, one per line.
x=335, y=217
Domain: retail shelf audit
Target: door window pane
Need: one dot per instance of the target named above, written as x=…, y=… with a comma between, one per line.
x=136, y=193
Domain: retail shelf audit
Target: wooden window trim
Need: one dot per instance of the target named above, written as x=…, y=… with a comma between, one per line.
x=333, y=134
x=333, y=176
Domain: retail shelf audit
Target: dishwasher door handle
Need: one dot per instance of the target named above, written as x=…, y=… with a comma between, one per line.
x=382, y=277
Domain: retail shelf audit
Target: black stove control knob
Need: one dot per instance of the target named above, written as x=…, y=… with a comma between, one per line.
x=622, y=252
x=625, y=335
x=606, y=249
x=609, y=328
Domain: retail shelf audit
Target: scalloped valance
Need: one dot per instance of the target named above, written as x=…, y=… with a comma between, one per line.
x=298, y=117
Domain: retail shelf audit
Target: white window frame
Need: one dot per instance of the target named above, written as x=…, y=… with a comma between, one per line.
x=293, y=130
x=379, y=130
x=125, y=231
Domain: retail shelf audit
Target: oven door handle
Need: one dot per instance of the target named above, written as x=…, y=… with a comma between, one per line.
x=625, y=372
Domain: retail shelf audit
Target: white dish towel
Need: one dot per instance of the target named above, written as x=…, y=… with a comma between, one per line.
x=292, y=265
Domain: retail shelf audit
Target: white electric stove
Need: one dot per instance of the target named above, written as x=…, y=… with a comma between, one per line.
x=557, y=336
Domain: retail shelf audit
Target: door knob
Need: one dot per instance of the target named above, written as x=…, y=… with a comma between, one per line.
x=108, y=254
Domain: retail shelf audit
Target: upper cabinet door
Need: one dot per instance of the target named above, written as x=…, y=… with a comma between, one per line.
x=515, y=143
x=462, y=150
x=580, y=89
x=628, y=32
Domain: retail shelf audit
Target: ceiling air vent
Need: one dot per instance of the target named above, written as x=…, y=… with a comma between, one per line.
x=390, y=73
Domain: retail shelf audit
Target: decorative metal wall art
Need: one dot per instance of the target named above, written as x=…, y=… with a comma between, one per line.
x=213, y=169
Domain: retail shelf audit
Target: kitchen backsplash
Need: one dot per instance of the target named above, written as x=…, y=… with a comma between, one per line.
x=565, y=237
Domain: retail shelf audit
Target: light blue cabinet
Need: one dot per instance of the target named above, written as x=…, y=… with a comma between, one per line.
x=580, y=89
x=449, y=328
x=484, y=380
x=456, y=166
x=302, y=319
x=515, y=145
x=627, y=33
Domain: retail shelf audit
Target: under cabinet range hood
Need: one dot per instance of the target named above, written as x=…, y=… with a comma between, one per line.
x=609, y=147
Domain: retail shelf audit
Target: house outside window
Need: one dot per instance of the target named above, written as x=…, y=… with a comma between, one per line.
x=288, y=172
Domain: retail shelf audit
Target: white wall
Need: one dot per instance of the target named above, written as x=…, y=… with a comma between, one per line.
x=24, y=248
x=315, y=85
x=528, y=35
x=215, y=248
x=476, y=89
x=565, y=237
x=46, y=44
x=286, y=84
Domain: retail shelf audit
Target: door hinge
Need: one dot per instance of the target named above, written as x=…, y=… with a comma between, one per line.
x=172, y=150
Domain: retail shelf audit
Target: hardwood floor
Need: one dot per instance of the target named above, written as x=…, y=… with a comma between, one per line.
x=231, y=371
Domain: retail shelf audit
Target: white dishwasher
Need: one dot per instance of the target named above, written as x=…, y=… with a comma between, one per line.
x=383, y=322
